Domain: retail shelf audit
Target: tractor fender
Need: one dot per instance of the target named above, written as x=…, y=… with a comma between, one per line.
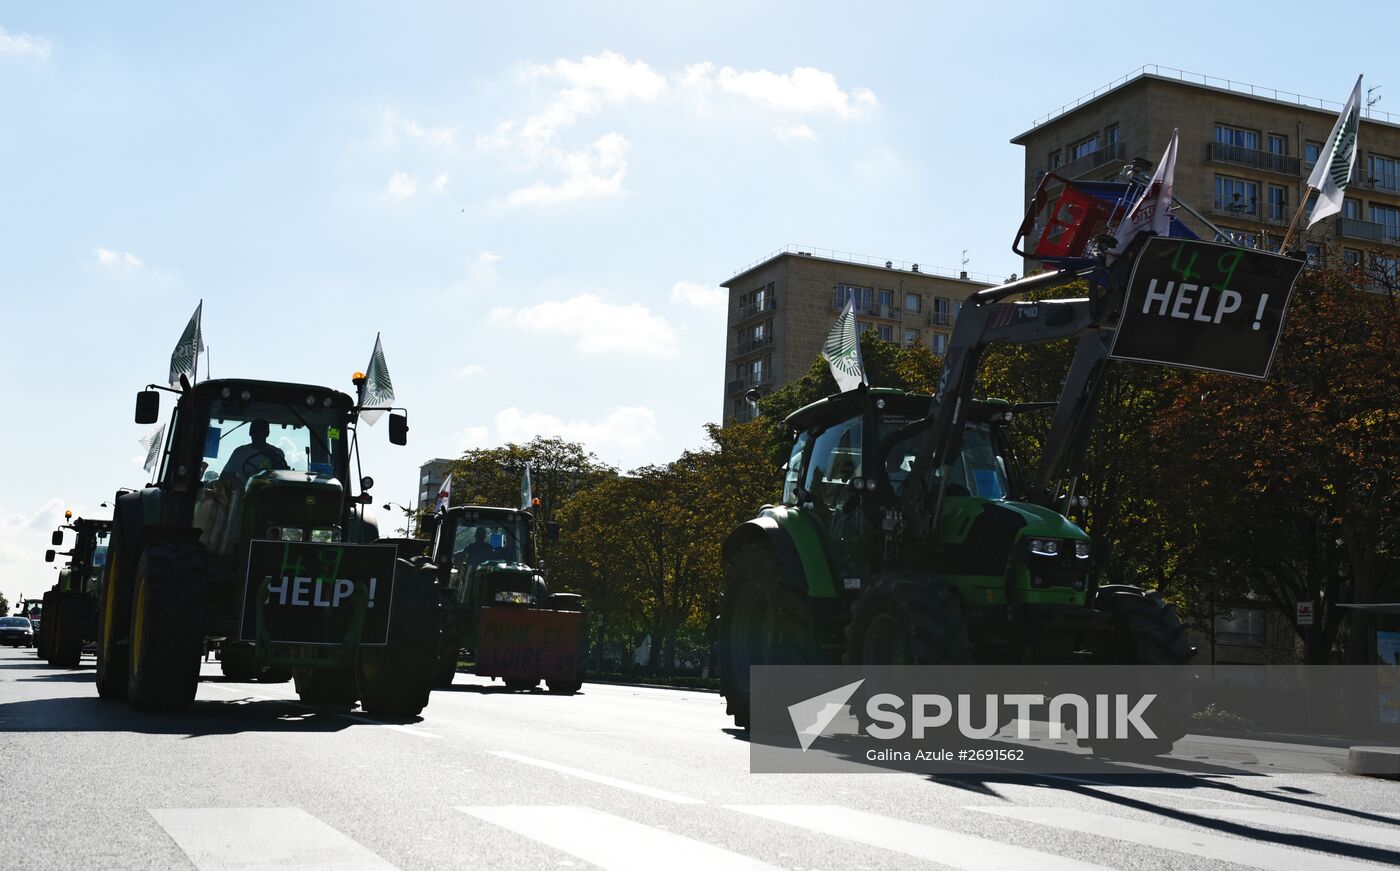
x=133, y=512
x=796, y=542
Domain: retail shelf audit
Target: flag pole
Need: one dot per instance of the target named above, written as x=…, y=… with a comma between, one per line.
x=1288, y=237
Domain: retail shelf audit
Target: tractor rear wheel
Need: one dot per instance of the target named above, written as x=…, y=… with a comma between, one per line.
x=167, y=626
x=113, y=621
x=46, y=626
x=762, y=622
x=396, y=680
x=907, y=618
x=66, y=644
x=1147, y=631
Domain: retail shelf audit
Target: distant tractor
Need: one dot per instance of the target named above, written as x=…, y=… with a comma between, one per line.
x=497, y=606
x=71, y=605
x=252, y=532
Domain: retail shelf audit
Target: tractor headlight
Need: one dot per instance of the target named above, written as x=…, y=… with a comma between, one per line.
x=510, y=597
x=325, y=535
x=285, y=533
x=1081, y=549
x=1045, y=547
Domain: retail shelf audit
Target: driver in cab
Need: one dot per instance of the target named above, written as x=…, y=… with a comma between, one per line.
x=252, y=458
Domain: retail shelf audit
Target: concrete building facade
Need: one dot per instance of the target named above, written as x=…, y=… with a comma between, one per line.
x=1243, y=158
x=430, y=477
x=782, y=308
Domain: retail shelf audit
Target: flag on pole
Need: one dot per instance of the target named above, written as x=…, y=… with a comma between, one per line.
x=1152, y=211
x=377, y=388
x=1337, y=161
x=444, y=494
x=842, y=350
x=185, y=359
x=527, y=496
x=152, y=443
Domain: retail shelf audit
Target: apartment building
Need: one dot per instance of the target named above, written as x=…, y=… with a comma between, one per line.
x=782, y=307
x=1243, y=158
x=430, y=477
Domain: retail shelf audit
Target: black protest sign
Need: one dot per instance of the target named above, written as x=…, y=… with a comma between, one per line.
x=1202, y=305
x=309, y=593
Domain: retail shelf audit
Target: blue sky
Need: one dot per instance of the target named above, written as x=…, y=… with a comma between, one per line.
x=534, y=203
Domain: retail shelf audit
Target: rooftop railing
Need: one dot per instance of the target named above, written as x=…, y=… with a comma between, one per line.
x=867, y=260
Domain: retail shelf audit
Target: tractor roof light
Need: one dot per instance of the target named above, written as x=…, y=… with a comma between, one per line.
x=358, y=379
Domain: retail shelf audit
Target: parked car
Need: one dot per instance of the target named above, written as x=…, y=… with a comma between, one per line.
x=16, y=632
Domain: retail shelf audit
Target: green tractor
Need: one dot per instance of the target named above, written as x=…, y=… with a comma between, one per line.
x=497, y=605
x=908, y=533
x=251, y=531
x=71, y=605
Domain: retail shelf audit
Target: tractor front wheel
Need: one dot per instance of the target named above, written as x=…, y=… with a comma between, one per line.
x=326, y=687
x=66, y=645
x=167, y=626
x=396, y=680
x=907, y=618
x=113, y=621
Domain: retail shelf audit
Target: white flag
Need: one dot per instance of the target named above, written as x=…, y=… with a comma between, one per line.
x=842, y=350
x=152, y=443
x=444, y=494
x=527, y=496
x=376, y=388
x=185, y=358
x=1337, y=161
x=1152, y=211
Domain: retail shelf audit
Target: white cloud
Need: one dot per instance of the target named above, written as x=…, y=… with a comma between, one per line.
x=438, y=137
x=401, y=186
x=22, y=45
x=805, y=91
x=23, y=538
x=598, y=327
x=795, y=133
x=627, y=426
x=484, y=265
x=595, y=173
x=116, y=260
x=699, y=295
x=473, y=437
x=440, y=183
x=471, y=370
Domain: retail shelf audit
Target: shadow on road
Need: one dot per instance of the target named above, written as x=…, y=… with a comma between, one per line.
x=207, y=717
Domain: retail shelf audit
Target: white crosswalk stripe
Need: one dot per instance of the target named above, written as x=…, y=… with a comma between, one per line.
x=248, y=838
x=1207, y=845
x=948, y=848
x=1322, y=827
x=614, y=843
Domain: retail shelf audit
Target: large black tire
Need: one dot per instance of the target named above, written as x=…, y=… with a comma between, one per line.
x=907, y=618
x=521, y=684
x=454, y=618
x=325, y=687
x=237, y=661
x=396, y=680
x=66, y=645
x=114, y=620
x=763, y=621
x=167, y=625
x=1147, y=631
x=46, y=627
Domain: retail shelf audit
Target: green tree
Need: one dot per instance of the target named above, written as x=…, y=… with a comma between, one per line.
x=558, y=470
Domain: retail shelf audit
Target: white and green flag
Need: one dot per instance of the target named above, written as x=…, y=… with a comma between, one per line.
x=527, y=496
x=378, y=387
x=1337, y=162
x=842, y=350
x=152, y=443
x=185, y=358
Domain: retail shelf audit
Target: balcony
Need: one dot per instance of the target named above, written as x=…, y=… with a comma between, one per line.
x=748, y=346
x=1236, y=207
x=1385, y=182
x=751, y=309
x=940, y=319
x=744, y=382
x=1238, y=155
x=1355, y=228
x=874, y=310
x=1090, y=161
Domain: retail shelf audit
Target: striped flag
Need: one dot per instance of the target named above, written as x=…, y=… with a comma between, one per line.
x=152, y=443
x=377, y=387
x=185, y=359
x=842, y=350
x=1152, y=211
x=1337, y=162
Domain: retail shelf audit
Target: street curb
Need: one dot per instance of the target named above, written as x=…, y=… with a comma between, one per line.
x=1280, y=737
x=1374, y=762
x=649, y=686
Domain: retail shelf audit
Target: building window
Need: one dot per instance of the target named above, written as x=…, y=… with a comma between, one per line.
x=1278, y=144
x=1278, y=203
x=884, y=297
x=1084, y=147
x=913, y=302
x=1055, y=159
x=957, y=308
x=911, y=338
x=1386, y=269
x=1384, y=172
x=1351, y=258
x=1351, y=208
x=939, y=317
x=1236, y=136
x=1311, y=151
x=860, y=297
x=939, y=344
x=1389, y=219
x=1236, y=196
x=885, y=332
x=1110, y=134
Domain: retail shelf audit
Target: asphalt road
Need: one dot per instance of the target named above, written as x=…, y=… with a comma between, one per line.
x=616, y=778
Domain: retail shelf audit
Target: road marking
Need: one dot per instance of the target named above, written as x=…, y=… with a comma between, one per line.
x=949, y=848
x=1217, y=848
x=612, y=842
x=397, y=727
x=241, y=839
x=1322, y=827
x=599, y=778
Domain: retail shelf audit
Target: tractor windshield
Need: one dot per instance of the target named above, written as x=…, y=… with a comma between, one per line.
x=978, y=471
x=480, y=538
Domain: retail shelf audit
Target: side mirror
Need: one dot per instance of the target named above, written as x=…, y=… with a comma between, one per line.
x=398, y=429
x=57, y=538
x=48, y=556
x=428, y=524
x=148, y=406
x=366, y=484
x=551, y=531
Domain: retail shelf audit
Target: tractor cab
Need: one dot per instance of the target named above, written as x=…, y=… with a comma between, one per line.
x=489, y=557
